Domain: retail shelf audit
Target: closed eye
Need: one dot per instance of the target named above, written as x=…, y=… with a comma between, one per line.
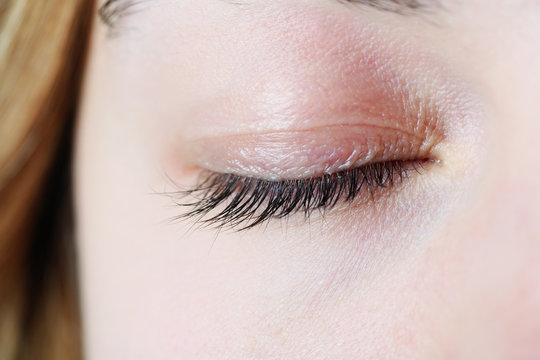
x=240, y=203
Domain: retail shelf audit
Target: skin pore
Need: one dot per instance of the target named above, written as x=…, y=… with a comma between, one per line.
x=443, y=264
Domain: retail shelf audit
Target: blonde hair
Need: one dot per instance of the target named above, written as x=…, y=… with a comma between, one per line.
x=42, y=46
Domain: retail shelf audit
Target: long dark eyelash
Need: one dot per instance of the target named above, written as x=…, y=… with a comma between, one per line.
x=232, y=201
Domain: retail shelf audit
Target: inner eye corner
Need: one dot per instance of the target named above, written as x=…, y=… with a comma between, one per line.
x=424, y=163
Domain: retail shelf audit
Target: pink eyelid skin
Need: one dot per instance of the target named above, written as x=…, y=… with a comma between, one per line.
x=333, y=96
x=309, y=153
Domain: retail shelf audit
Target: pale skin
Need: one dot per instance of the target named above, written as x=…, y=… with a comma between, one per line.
x=444, y=266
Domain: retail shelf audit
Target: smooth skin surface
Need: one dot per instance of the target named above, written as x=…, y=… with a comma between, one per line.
x=444, y=265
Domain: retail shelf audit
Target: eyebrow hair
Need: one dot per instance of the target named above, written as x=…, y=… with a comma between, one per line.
x=395, y=6
x=113, y=10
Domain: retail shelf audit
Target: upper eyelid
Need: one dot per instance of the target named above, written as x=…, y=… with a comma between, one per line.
x=308, y=153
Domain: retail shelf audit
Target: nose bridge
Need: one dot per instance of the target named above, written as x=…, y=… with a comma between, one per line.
x=514, y=189
x=514, y=149
x=511, y=202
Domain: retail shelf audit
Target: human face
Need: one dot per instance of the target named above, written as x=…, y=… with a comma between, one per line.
x=419, y=122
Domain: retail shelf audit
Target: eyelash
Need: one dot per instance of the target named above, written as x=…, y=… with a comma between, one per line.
x=249, y=201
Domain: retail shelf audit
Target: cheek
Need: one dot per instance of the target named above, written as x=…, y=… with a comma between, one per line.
x=498, y=263
x=154, y=289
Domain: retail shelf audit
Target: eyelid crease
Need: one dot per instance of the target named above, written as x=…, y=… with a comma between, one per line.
x=314, y=128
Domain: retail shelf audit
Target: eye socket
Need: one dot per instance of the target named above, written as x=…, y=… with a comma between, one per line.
x=236, y=202
x=253, y=178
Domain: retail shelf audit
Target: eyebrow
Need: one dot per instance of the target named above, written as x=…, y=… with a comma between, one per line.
x=113, y=10
x=403, y=7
